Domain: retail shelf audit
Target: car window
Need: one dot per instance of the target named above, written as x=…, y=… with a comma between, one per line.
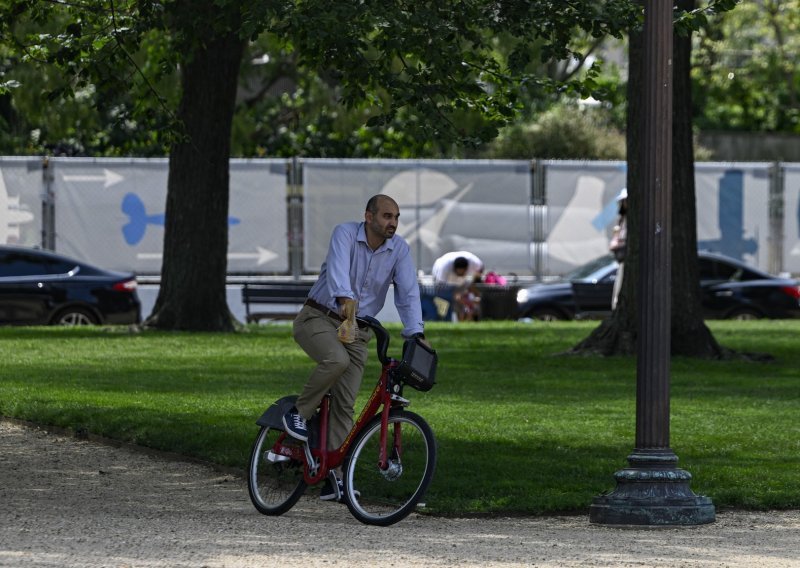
x=749, y=275
x=715, y=270
x=589, y=268
x=22, y=264
x=610, y=277
x=86, y=270
x=61, y=266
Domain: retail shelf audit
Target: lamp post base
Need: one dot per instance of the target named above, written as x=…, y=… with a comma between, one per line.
x=652, y=491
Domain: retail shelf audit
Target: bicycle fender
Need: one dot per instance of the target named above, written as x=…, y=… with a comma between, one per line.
x=272, y=417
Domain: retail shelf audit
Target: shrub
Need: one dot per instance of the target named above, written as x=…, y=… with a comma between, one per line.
x=564, y=132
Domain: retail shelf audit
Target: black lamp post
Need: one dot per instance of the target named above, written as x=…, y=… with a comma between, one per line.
x=652, y=490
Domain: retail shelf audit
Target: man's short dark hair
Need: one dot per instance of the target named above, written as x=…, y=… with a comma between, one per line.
x=460, y=263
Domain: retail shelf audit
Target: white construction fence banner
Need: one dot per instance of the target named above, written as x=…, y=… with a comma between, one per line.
x=480, y=206
x=111, y=213
x=542, y=218
x=580, y=211
x=21, y=196
x=791, y=218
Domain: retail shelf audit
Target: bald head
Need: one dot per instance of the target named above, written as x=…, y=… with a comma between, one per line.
x=376, y=201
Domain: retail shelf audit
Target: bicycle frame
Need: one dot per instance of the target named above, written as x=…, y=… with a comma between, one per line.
x=320, y=460
x=281, y=469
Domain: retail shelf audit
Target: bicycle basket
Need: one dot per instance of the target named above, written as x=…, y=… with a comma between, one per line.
x=417, y=369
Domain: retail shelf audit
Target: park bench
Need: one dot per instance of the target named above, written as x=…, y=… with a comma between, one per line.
x=285, y=298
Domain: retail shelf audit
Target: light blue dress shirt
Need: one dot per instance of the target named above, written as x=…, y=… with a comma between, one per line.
x=353, y=270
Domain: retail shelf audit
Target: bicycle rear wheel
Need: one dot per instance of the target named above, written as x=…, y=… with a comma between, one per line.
x=275, y=483
x=383, y=497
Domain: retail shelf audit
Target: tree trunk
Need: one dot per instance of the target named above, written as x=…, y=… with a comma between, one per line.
x=617, y=334
x=690, y=335
x=193, y=272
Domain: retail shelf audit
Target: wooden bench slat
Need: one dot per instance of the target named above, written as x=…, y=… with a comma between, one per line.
x=274, y=293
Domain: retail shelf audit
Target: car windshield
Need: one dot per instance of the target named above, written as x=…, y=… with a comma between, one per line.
x=589, y=268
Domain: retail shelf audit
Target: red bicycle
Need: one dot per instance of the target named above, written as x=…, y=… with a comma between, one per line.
x=387, y=459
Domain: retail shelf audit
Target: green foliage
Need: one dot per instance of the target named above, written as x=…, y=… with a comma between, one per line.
x=564, y=132
x=287, y=110
x=745, y=76
x=693, y=20
x=373, y=78
x=548, y=430
x=85, y=86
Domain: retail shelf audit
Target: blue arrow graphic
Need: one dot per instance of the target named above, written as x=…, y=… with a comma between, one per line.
x=138, y=219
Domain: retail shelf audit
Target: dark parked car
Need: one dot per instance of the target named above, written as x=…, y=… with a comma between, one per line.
x=42, y=288
x=730, y=290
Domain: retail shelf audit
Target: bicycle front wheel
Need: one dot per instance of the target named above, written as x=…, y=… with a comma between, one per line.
x=384, y=496
x=275, y=483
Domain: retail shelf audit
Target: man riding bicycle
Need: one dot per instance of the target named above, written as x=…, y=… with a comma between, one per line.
x=363, y=260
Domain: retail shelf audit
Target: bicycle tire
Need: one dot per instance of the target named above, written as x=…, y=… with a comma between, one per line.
x=384, y=497
x=274, y=488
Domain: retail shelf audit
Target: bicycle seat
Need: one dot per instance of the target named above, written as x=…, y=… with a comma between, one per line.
x=380, y=334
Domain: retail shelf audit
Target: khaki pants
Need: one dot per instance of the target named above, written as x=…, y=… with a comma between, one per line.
x=339, y=370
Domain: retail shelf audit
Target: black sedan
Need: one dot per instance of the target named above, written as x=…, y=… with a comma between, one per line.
x=42, y=288
x=730, y=290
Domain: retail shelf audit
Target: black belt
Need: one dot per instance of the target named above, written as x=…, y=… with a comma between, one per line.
x=327, y=311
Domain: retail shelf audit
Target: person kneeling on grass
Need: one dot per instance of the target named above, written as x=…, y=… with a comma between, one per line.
x=461, y=270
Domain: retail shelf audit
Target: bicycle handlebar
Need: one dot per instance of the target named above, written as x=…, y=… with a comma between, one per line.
x=380, y=334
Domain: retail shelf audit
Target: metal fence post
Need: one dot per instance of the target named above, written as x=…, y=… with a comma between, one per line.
x=48, y=206
x=539, y=203
x=777, y=184
x=294, y=212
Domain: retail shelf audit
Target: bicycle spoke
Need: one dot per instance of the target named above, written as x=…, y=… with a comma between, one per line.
x=275, y=482
x=384, y=496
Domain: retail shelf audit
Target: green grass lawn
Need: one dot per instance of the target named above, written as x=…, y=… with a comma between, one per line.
x=521, y=427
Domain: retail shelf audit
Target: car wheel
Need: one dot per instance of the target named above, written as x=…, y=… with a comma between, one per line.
x=75, y=316
x=745, y=314
x=547, y=314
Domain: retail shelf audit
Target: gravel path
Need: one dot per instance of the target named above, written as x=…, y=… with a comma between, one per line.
x=66, y=502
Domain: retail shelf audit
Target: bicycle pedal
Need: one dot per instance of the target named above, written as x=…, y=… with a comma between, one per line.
x=272, y=457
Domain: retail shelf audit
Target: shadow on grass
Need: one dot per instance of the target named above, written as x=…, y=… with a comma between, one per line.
x=540, y=475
